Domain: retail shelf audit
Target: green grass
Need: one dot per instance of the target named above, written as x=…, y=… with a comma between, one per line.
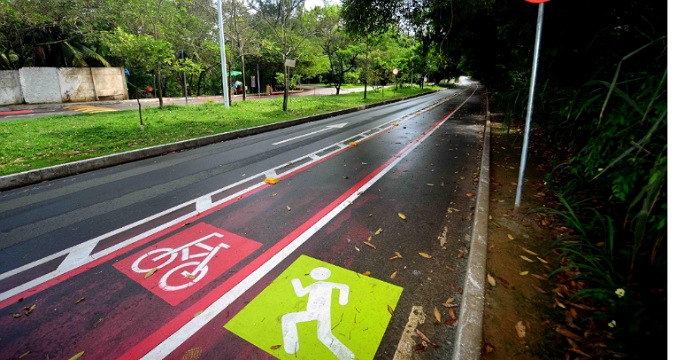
x=35, y=143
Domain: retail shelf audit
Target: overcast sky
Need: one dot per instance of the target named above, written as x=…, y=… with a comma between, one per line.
x=309, y=4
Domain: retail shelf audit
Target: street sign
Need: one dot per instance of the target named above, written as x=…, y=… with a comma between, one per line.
x=290, y=63
x=178, y=266
x=316, y=310
x=395, y=71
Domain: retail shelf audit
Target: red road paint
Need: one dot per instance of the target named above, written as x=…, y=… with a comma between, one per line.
x=70, y=274
x=186, y=315
x=187, y=261
x=16, y=112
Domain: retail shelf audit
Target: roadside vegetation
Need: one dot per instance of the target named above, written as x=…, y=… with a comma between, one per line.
x=36, y=143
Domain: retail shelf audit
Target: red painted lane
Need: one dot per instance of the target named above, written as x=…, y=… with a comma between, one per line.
x=127, y=315
x=16, y=112
x=337, y=241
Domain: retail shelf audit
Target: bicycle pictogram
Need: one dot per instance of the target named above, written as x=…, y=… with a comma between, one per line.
x=185, y=274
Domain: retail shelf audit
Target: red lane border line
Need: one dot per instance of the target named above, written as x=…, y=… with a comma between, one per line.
x=16, y=112
x=72, y=273
x=188, y=314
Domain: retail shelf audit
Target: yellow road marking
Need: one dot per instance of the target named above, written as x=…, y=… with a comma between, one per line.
x=89, y=109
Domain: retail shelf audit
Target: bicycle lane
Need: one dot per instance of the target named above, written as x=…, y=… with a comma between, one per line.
x=103, y=313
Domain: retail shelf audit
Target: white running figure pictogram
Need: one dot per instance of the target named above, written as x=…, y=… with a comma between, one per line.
x=318, y=308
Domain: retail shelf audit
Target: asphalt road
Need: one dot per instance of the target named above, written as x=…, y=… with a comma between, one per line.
x=195, y=255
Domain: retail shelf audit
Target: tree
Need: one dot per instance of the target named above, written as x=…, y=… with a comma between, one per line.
x=335, y=43
x=283, y=20
x=368, y=19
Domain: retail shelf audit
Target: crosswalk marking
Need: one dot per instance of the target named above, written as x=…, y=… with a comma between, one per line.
x=89, y=109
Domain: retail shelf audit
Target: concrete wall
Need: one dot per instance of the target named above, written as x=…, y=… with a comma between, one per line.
x=40, y=85
x=10, y=89
x=76, y=84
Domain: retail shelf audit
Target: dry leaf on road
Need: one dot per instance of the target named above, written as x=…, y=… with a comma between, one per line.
x=150, y=273
x=425, y=255
x=521, y=329
x=491, y=280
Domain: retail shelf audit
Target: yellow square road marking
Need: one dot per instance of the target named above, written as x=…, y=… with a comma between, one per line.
x=316, y=310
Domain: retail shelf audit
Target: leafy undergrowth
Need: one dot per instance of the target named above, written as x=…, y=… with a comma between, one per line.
x=531, y=311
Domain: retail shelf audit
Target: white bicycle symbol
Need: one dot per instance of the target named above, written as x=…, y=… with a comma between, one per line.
x=199, y=269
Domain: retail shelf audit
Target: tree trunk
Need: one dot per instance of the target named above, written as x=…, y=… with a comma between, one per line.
x=159, y=83
x=285, y=107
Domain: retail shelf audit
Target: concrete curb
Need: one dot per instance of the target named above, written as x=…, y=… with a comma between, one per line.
x=468, y=339
x=58, y=171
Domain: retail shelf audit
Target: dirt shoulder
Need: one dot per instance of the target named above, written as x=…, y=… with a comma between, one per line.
x=519, y=305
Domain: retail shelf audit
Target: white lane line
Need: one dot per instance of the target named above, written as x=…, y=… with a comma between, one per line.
x=404, y=350
x=82, y=257
x=328, y=127
x=193, y=326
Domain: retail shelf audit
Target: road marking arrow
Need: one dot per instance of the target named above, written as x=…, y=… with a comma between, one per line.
x=328, y=127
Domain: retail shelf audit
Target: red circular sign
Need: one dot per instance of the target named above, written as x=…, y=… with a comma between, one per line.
x=395, y=71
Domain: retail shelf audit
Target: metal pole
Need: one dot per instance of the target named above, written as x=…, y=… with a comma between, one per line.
x=259, y=92
x=224, y=75
x=182, y=56
x=529, y=110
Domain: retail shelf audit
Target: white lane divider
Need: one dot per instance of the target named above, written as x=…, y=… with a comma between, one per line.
x=200, y=320
x=80, y=255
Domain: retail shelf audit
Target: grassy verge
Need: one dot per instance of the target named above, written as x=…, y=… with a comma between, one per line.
x=35, y=143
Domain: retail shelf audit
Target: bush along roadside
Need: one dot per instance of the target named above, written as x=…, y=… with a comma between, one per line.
x=613, y=190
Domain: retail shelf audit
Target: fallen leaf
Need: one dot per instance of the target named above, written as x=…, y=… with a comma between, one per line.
x=190, y=276
x=521, y=329
x=449, y=300
x=541, y=260
x=369, y=238
x=470, y=194
x=560, y=304
x=29, y=309
x=525, y=258
x=451, y=210
x=425, y=255
x=378, y=232
x=523, y=273
x=271, y=180
x=197, y=313
x=490, y=217
x=393, y=276
x=288, y=208
x=353, y=143
x=489, y=348
x=77, y=356
x=402, y=216
x=438, y=316
x=430, y=184
x=80, y=300
x=395, y=124
x=491, y=280
x=150, y=273
x=370, y=245
x=564, y=332
x=539, y=277
x=275, y=347
x=539, y=290
x=528, y=251
x=451, y=313
x=391, y=311
x=425, y=338
x=274, y=194
x=396, y=256
x=367, y=273
x=22, y=356
x=15, y=315
x=509, y=236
